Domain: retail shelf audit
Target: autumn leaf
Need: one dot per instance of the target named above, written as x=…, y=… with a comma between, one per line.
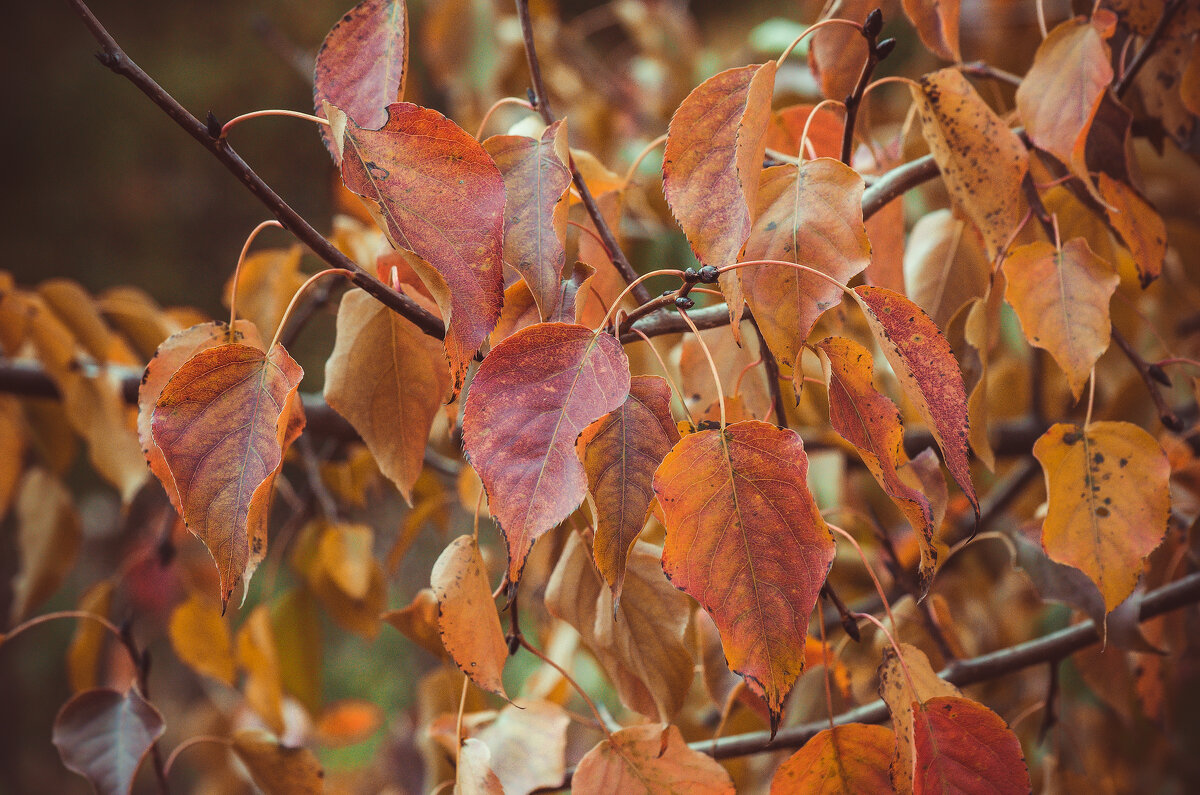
x=436, y=193
x=296, y=626
x=201, y=638
x=904, y=684
x=532, y=396
x=221, y=422
x=824, y=133
x=276, y=768
x=266, y=282
x=418, y=621
x=945, y=266
x=467, y=619
x=1140, y=227
x=962, y=746
x=388, y=379
x=362, y=64
x=649, y=760
x=745, y=539
x=1109, y=501
x=104, y=735
x=853, y=759
x=711, y=165
x=474, y=775
x=981, y=160
x=88, y=643
x=49, y=534
x=926, y=368
x=936, y=22
x=536, y=181
x=733, y=363
x=528, y=745
x=871, y=422
x=1061, y=298
x=837, y=54
x=338, y=563
x=620, y=452
x=258, y=656
x=1070, y=72
x=78, y=311
x=639, y=643
x=811, y=215
x=593, y=303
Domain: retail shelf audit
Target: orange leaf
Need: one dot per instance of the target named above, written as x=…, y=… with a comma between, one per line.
x=258, y=655
x=276, y=768
x=1109, y=501
x=745, y=539
x=222, y=424
x=936, y=22
x=981, y=160
x=904, y=685
x=362, y=64
x=436, y=193
x=837, y=54
x=824, y=133
x=1058, y=96
x=529, y=401
x=593, y=301
x=388, y=379
x=418, y=622
x=536, y=180
x=871, y=422
x=620, y=452
x=1140, y=227
x=266, y=283
x=945, y=266
x=649, y=760
x=711, y=166
x=811, y=215
x=926, y=368
x=103, y=736
x=853, y=758
x=1061, y=298
x=467, y=617
x=88, y=644
x=348, y=722
x=962, y=746
x=201, y=638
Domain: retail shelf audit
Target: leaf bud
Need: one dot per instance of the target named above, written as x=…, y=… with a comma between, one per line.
x=884, y=48
x=683, y=302
x=690, y=276
x=709, y=274
x=873, y=24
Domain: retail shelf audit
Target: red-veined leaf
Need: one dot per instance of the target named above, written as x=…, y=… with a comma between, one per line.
x=649, y=760
x=467, y=617
x=962, y=746
x=103, y=736
x=851, y=759
x=529, y=401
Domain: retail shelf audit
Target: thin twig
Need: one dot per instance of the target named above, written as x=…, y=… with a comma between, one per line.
x=876, y=52
x=1153, y=381
x=1126, y=80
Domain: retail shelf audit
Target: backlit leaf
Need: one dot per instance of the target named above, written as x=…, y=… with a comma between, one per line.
x=474, y=776
x=641, y=643
x=620, y=452
x=981, y=160
x=936, y=22
x=962, y=746
x=1061, y=298
x=277, y=769
x=533, y=395
x=1109, y=501
x=201, y=638
x=871, y=422
x=926, y=368
x=602, y=289
x=362, y=64
x=222, y=422
x=852, y=759
x=528, y=746
x=48, y=537
x=103, y=736
x=536, y=180
x=640, y=761
x=438, y=194
x=745, y=539
x=811, y=215
x=1139, y=225
x=467, y=617
x=732, y=359
x=904, y=685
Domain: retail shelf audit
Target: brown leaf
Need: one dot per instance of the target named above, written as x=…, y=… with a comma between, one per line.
x=945, y=266
x=76, y=308
x=474, y=776
x=48, y=538
x=266, y=283
x=388, y=379
x=362, y=64
x=104, y=735
x=936, y=22
x=745, y=539
x=640, y=643
x=138, y=316
x=824, y=133
x=1140, y=227
x=649, y=760
x=981, y=160
x=436, y=193
x=528, y=746
x=338, y=563
x=14, y=441
x=696, y=381
x=87, y=646
x=904, y=686
x=536, y=181
x=201, y=638
x=467, y=619
x=962, y=746
x=1061, y=298
x=532, y=396
x=258, y=656
x=620, y=452
x=277, y=769
x=222, y=422
x=837, y=54
x=810, y=215
x=852, y=759
x=419, y=623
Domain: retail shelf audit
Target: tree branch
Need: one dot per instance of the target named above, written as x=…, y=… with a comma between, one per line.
x=112, y=56
x=1126, y=80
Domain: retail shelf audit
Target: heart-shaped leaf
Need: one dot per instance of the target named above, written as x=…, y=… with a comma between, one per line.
x=103, y=735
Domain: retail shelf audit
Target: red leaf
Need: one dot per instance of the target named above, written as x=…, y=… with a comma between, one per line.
x=745, y=539
x=529, y=401
x=962, y=746
x=437, y=193
x=103, y=736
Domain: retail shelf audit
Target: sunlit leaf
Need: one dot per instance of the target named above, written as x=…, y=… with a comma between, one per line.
x=745, y=539
x=533, y=395
x=962, y=746
x=201, y=638
x=649, y=760
x=852, y=759
x=103, y=736
x=48, y=537
x=277, y=769
x=1109, y=501
x=467, y=617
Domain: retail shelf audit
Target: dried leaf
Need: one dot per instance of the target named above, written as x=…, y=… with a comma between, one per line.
x=649, y=760
x=14, y=441
x=607, y=284
x=962, y=746
x=266, y=283
x=904, y=686
x=732, y=359
x=837, y=54
x=1140, y=227
x=945, y=266
x=467, y=619
x=936, y=22
x=981, y=160
x=87, y=646
x=1061, y=298
x=474, y=775
x=533, y=395
x=745, y=539
x=620, y=452
x=201, y=638
x=528, y=746
x=49, y=534
x=103, y=735
x=852, y=759
x=1109, y=501
x=277, y=769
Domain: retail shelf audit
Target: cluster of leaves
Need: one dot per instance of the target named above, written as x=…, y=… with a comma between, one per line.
x=660, y=512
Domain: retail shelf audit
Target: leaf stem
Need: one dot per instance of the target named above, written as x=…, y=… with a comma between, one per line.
x=812, y=115
x=295, y=296
x=1126, y=80
x=257, y=114
x=496, y=106
x=870, y=571
x=633, y=288
x=813, y=29
x=712, y=365
x=637, y=161
x=199, y=739
x=667, y=374
x=237, y=270
x=583, y=694
x=796, y=265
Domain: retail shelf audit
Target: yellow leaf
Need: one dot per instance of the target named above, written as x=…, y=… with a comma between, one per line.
x=48, y=539
x=278, y=770
x=201, y=638
x=83, y=656
x=257, y=656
